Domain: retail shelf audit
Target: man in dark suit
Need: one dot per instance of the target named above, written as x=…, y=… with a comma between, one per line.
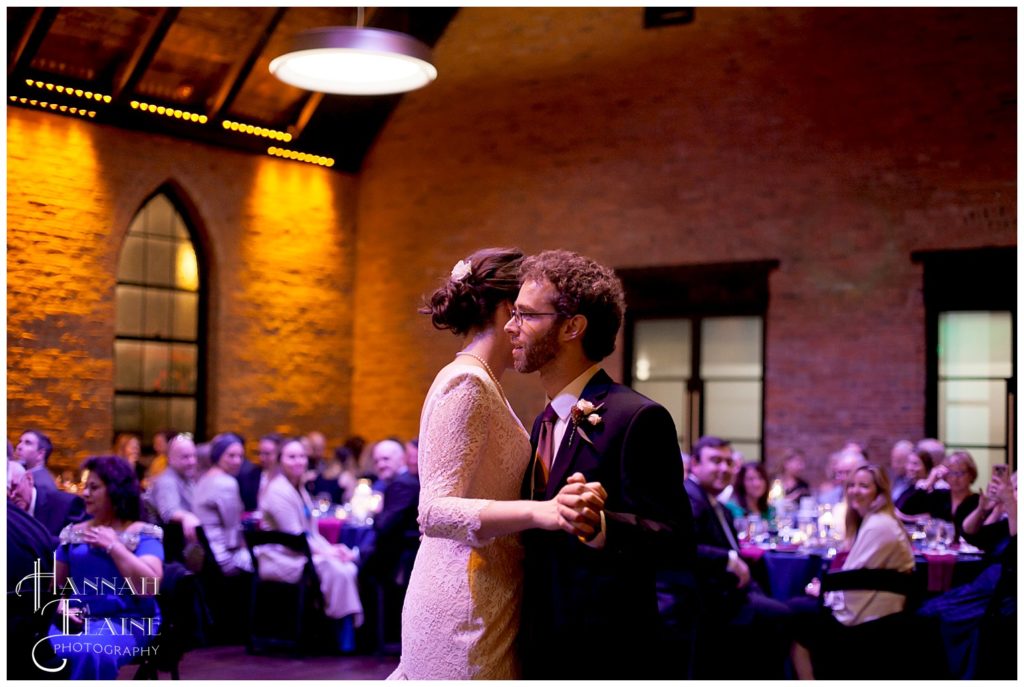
x=28, y=545
x=590, y=607
x=53, y=509
x=395, y=527
x=734, y=611
x=33, y=451
x=384, y=574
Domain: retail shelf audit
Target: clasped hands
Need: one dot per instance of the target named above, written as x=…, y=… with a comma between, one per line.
x=579, y=504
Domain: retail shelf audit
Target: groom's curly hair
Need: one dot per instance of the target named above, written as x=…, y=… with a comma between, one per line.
x=585, y=287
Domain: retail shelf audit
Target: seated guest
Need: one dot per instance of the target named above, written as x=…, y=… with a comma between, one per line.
x=158, y=462
x=33, y=451
x=794, y=486
x=898, y=456
x=875, y=539
x=128, y=446
x=388, y=563
x=750, y=495
x=841, y=466
x=412, y=455
x=733, y=605
x=173, y=489
x=28, y=545
x=953, y=504
x=987, y=526
x=219, y=504
x=108, y=629
x=335, y=479
x=977, y=620
x=268, y=449
x=54, y=509
x=286, y=507
x=917, y=468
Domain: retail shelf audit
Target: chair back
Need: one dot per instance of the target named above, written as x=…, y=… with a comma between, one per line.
x=877, y=579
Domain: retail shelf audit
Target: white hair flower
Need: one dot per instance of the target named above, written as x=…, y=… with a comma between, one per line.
x=462, y=269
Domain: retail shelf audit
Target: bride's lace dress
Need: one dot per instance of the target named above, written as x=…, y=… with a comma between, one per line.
x=461, y=611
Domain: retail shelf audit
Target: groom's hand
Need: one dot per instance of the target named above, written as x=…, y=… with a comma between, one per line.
x=579, y=506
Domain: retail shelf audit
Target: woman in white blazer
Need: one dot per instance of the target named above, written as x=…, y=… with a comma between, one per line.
x=286, y=507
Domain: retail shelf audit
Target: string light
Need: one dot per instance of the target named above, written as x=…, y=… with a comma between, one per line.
x=253, y=130
x=54, y=107
x=169, y=112
x=67, y=90
x=301, y=157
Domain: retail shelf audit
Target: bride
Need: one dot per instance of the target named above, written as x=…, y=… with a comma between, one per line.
x=461, y=612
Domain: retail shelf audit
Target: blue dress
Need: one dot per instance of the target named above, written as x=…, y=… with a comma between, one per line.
x=120, y=625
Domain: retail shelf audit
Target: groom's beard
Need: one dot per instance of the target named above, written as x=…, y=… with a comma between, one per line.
x=539, y=353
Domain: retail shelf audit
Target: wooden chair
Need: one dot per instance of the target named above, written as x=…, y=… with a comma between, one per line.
x=896, y=646
x=282, y=614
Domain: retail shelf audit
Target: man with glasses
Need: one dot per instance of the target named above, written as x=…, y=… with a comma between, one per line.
x=590, y=604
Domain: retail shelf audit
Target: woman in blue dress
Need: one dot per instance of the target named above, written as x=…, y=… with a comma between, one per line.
x=108, y=573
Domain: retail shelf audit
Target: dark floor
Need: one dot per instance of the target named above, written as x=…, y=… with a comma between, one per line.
x=232, y=663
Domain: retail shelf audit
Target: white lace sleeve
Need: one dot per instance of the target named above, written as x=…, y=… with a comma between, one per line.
x=452, y=442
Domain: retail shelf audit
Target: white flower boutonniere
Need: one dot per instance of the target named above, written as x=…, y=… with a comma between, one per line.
x=462, y=269
x=584, y=411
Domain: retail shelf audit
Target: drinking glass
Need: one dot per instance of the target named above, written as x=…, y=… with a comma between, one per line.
x=947, y=535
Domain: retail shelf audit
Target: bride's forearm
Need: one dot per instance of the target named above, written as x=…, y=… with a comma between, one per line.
x=507, y=517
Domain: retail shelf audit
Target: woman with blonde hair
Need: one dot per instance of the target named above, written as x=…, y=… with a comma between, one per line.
x=875, y=540
x=953, y=504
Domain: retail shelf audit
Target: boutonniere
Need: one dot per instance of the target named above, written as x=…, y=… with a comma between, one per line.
x=584, y=412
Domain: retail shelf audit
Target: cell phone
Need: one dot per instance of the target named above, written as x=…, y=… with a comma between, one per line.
x=1000, y=470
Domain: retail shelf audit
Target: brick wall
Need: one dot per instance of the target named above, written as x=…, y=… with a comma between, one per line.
x=835, y=141
x=279, y=239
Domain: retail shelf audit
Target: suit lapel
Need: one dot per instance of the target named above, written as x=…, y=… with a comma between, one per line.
x=595, y=392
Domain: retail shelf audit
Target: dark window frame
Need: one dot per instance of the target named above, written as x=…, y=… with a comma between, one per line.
x=698, y=292
x=967, y=280
x=174, y=195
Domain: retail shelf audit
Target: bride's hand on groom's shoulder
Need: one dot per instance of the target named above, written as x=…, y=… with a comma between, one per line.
x=579, y=505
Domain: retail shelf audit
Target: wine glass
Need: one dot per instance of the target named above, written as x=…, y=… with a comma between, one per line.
x=947, y=536
x=932, y=533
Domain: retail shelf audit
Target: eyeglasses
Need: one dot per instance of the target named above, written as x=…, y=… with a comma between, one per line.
x=518, y=315
x=956, y=473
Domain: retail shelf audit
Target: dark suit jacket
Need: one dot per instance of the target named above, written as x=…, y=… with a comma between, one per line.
x=249, y=484
x=395, y=527
x=593, y=613
x=718, y=595
x=43, y=479
x=57, y=509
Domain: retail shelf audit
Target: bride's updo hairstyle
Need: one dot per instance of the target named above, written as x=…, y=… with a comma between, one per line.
x=476, y=287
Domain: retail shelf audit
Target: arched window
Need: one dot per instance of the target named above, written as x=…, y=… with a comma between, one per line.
x=157, y=338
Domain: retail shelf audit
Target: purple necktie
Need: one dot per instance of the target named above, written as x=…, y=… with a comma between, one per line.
x=545, y=446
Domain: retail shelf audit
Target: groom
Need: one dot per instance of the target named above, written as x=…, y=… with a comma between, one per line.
x=589, y=602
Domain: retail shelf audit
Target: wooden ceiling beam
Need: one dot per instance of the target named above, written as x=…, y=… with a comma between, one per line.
x=240, y=71
x=144, y=53
x=30, y=41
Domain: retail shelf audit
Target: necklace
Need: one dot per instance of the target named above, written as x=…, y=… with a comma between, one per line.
x=487, y=368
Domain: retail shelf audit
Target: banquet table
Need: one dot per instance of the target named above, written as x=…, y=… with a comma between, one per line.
x=790, y=569
x=339, y=531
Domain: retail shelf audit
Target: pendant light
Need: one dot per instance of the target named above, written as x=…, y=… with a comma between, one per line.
x=354, y=60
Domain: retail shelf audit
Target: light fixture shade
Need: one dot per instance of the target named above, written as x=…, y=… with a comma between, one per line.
x=355, y=61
